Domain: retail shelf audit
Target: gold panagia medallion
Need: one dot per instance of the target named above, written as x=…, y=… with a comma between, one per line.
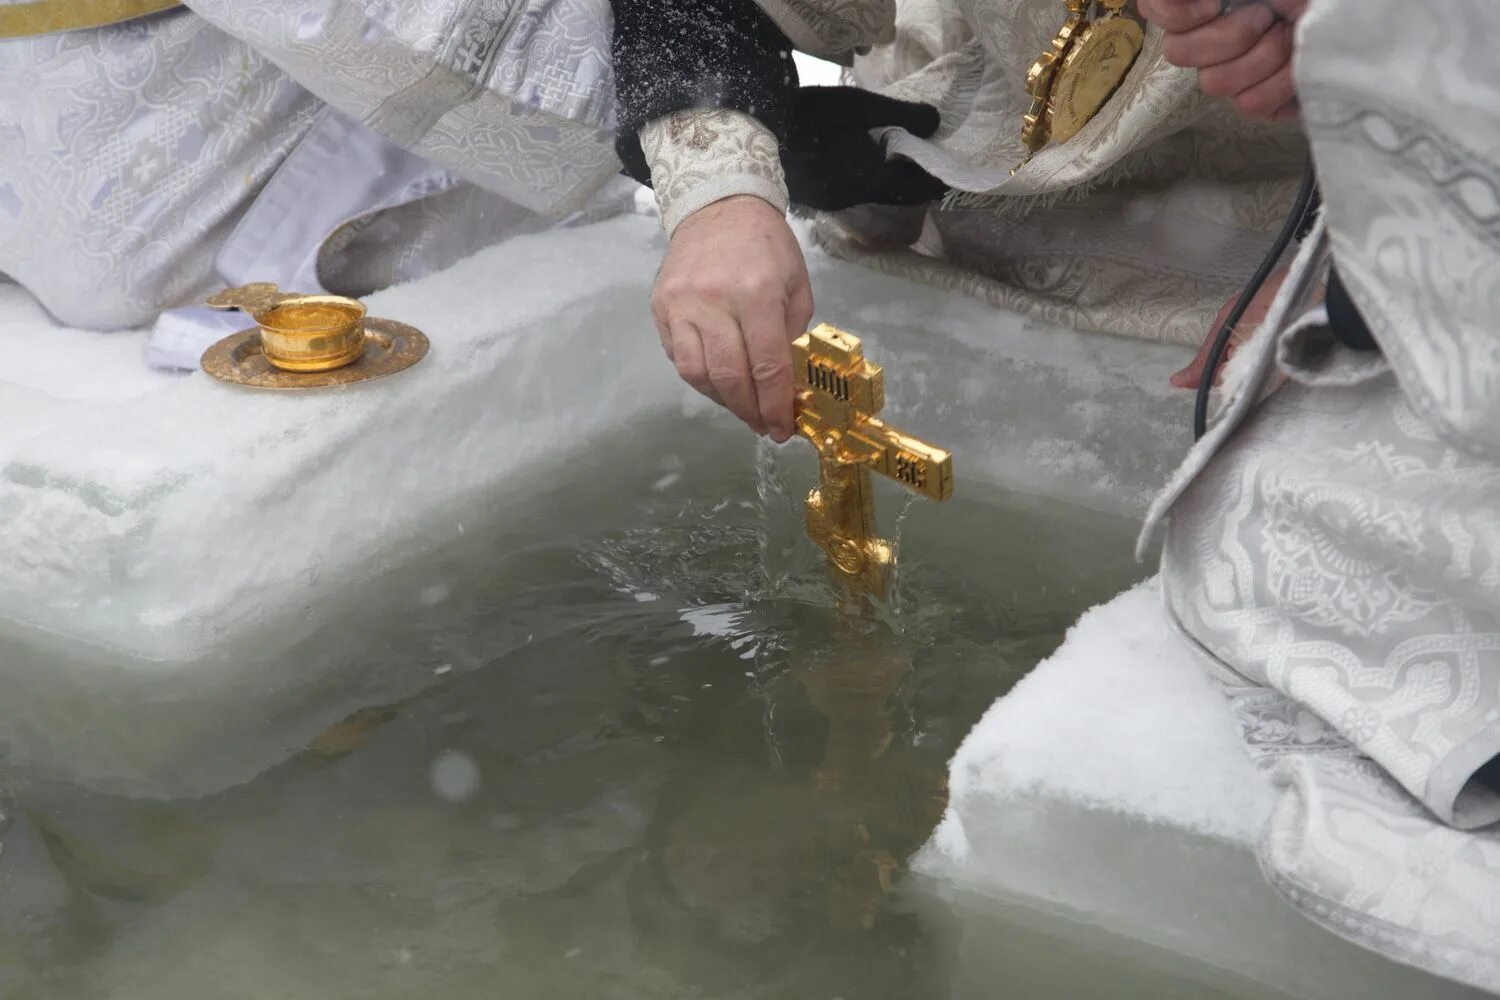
x=1039, y=81
x=1080, y=71
x=1090, y=73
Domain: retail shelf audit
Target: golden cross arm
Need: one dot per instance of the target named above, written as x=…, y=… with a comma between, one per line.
x=912, y=462
x=838, y=394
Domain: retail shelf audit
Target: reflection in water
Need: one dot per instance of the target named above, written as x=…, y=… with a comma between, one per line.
x=648, y=757
x=816, y=841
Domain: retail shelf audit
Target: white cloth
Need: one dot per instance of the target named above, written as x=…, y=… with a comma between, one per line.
x=147, y=164
x=350, y=213
x=514, y=95
x=1141, y=224
x=339, y=171
x=700, y=156
x=1334, y=544
x=127, y=155
x=834, y=29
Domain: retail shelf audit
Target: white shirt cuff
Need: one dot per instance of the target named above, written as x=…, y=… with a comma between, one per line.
x=702, y=155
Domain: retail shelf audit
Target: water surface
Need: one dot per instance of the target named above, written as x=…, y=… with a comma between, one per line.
x=645, y=757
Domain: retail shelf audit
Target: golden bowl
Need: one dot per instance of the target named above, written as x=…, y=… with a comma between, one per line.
x=312, y=333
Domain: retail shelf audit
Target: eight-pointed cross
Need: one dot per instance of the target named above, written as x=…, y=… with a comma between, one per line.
x=839, y=393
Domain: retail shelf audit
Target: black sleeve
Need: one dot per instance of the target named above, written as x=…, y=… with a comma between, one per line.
x=675, y=54
x=1344, y=319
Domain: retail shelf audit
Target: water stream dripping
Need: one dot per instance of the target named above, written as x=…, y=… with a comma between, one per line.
x=893, y=598
x=770, y=494
x=787, y=561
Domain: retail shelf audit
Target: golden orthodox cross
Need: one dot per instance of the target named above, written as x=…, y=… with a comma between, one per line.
x=839, y=393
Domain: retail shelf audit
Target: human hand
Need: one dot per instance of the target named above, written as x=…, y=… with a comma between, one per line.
x=1244, y=55
x=731, y=296
x=1255, y=314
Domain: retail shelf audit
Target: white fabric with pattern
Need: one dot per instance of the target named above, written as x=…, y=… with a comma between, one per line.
x=1334, y=542
x=144, y=165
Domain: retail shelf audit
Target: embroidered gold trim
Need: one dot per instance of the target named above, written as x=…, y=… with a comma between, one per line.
x=44, y=17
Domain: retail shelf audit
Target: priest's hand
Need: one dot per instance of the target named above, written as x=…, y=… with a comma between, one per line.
x=731, y=296
x=1243, y=55
x=1255, y=314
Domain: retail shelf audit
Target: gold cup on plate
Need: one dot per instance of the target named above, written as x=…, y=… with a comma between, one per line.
x=301, y=333
x=312, y=333
x=308, y=341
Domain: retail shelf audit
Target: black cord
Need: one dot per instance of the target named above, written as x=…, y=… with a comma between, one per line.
x=1296, y=223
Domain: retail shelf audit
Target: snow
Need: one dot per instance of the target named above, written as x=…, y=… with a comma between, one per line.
x=115, y=496
x=59, y=364
x=1107, y=721
x=1108, y=791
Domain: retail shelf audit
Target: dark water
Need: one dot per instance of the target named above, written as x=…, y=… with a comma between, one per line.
x=647, y=757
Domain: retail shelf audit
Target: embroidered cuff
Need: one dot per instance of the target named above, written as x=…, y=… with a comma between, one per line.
x=701, y=155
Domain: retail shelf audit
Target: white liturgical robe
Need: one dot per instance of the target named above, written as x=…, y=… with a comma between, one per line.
x=321, y=145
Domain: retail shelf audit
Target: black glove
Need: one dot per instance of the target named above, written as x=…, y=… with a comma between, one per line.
x=1344, y=318
x=831, y=161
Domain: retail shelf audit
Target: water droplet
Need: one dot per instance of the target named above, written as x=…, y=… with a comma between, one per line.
x=435, y=593
x=454, y=776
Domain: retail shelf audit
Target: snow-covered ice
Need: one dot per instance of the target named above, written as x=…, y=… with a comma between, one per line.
x=1121, y=673
x=118, y=484
x=1109, y=789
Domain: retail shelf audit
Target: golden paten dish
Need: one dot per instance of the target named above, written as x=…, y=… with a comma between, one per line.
x=390, y=347
x=300, y=333
x=1082, y=68
x=308, y=341
x=839, y=393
